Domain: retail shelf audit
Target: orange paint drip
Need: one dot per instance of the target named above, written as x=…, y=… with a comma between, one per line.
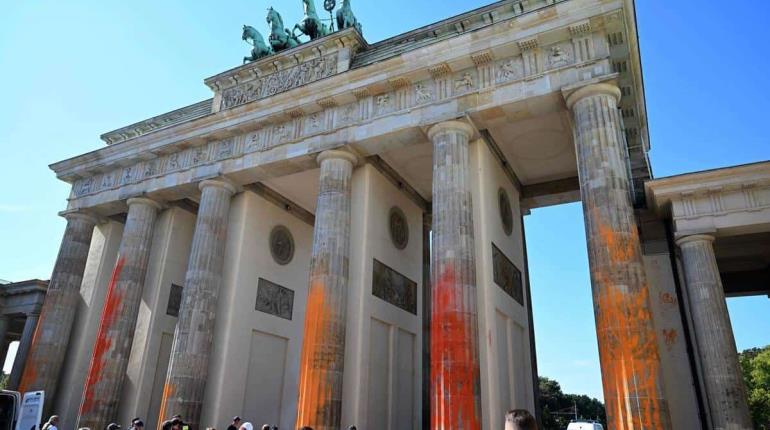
x=168, y=392
x=315, y=393
x=103, y=341
x=29, y=377
x=454, y=362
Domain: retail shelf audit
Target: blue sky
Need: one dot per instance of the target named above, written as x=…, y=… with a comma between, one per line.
x=73, y=70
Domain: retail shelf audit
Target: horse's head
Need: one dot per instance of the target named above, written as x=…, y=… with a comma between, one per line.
x=245, y=34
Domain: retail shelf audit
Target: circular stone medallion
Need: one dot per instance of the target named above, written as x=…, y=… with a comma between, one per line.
x=399, y=229
x=281, y=245
x=506, y=216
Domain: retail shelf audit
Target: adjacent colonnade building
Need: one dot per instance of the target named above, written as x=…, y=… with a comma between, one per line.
x=336, y=238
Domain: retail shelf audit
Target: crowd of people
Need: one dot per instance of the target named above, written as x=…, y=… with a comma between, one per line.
x=518, y=419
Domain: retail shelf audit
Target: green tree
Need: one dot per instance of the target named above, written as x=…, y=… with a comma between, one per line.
x=755, y=364
x=559, y=408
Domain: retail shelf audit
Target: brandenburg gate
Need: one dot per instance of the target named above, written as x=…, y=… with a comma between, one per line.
x=335, y=238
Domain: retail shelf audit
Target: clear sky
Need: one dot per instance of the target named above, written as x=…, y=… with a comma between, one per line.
x=73, y=70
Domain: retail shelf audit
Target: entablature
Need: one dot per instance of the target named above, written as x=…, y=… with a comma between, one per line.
x=507, y=60
x=720, y=201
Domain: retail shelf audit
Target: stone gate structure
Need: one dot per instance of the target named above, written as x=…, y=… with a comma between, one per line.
x=335, y=238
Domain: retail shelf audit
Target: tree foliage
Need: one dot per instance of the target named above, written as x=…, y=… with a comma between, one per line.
x=558, y=408
x=755, y=364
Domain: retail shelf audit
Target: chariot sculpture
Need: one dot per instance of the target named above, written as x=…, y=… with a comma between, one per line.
x=311, y=25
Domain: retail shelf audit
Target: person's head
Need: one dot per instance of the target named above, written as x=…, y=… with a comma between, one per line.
x=236, y=420
x=520, y=419
x=306, y=428
x=113, y=426
x=352, y=428
x=265, y=426
x=54, y=419
x=137, y=423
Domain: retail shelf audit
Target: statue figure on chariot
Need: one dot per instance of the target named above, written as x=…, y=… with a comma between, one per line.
x=311, y=25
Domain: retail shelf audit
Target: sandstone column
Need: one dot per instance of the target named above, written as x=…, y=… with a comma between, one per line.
x=188, y=366
x=714, y=334
x=58, y=314
x=628, y=350
x=21, y=354
x=3, y=343
x=107, y=371
x=454, y=354
x=323, y=344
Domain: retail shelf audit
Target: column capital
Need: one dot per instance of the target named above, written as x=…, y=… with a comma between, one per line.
x=144, y=201
x=694, y=238
x=456, y=126
x=219, y=183
x=337, y=153
x=599, y=89
x=79, y=214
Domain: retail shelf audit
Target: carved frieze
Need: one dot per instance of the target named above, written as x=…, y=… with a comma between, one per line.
x=393, y=287
x=444, y=84
x=506, y=275
x=274, y=299
x=280, y=81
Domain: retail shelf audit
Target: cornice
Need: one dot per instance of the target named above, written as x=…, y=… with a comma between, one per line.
x=485, y=48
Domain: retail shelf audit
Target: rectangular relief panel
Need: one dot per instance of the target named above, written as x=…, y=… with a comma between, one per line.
x=379, y=375
x=264, y=380
x=393, y=287
x=506, y=275
x=405, y=381
x=274, y=299
x=174, y=300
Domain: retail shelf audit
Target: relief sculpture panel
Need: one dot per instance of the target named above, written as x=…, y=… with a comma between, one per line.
x=394, y=288
x=280, y=81
x=274, y=299
x=506, y=275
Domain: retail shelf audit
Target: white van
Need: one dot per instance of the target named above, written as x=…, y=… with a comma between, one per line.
x=584, y=425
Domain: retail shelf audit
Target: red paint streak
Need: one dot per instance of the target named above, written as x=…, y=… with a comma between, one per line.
x=103, y=341
x=454, y=360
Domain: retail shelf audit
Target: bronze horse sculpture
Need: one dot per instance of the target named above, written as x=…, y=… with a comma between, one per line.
x=254, y=38
x=345, y=17
x=311, y=24
x=280, y=37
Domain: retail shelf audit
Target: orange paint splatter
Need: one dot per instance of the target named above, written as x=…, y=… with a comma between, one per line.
x=315, y=386
x=103, y=341
x=454, y=360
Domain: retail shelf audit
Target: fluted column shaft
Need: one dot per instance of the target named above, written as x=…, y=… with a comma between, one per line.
x=323, y=344
x=454, y=356
x=714, y=334
x=186, y=378
x=52, y=335
x=22, y=353
x=107, y=370
x=628, y=350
